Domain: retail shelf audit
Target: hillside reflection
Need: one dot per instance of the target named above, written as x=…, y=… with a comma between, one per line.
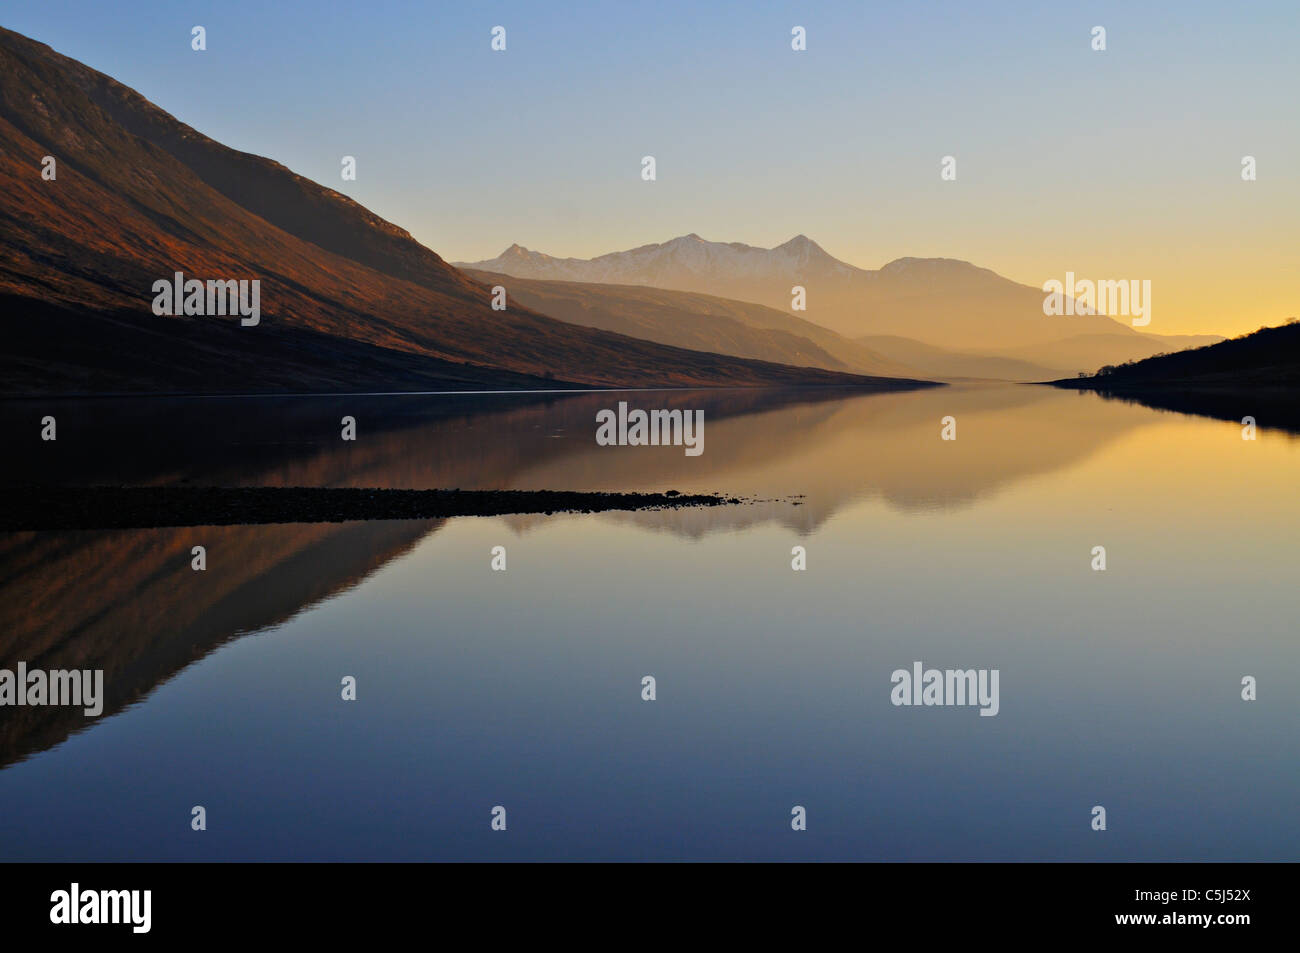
x=128, y=602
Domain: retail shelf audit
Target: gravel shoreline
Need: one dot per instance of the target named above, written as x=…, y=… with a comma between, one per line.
x=121, y=507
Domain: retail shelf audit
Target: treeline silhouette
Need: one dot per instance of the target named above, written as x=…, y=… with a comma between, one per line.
x=1267, y=356
x=1255, y=375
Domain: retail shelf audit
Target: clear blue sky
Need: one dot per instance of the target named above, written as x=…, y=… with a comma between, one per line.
x=1120, y=164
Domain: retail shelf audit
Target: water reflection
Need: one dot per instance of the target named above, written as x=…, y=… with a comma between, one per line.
x=922, y=548
x=127, y=601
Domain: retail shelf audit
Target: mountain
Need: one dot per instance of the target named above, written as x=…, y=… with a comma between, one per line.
x=697, y=321
x=942, y=302
x=348, y=300
x=688, y=260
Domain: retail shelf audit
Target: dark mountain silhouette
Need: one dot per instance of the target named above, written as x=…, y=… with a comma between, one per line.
x=348, y=300
x=1256, y=375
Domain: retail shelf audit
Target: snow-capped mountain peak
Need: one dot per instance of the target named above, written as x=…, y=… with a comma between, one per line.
x=687, y=257
x=944, y=301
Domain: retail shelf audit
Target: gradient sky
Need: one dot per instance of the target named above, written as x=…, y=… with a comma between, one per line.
x=1122, y=164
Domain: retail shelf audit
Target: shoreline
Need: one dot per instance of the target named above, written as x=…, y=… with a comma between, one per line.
x=45, y=509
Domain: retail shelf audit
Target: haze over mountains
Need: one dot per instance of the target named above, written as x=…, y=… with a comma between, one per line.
x=963, y=314
x=698, y=321
x=349, y=301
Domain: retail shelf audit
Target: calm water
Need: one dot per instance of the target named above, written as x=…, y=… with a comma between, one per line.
x=523, y=689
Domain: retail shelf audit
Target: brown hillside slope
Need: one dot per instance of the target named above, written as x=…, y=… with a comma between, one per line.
x=348, y=300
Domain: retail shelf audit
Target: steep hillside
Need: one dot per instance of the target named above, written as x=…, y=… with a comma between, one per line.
x=348, y=301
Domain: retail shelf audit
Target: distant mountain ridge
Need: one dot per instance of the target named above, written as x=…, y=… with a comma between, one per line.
x=674, y=260
x=942, y=302
x=762, y=275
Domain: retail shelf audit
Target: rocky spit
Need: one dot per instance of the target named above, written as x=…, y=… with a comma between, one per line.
x=138, y=507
